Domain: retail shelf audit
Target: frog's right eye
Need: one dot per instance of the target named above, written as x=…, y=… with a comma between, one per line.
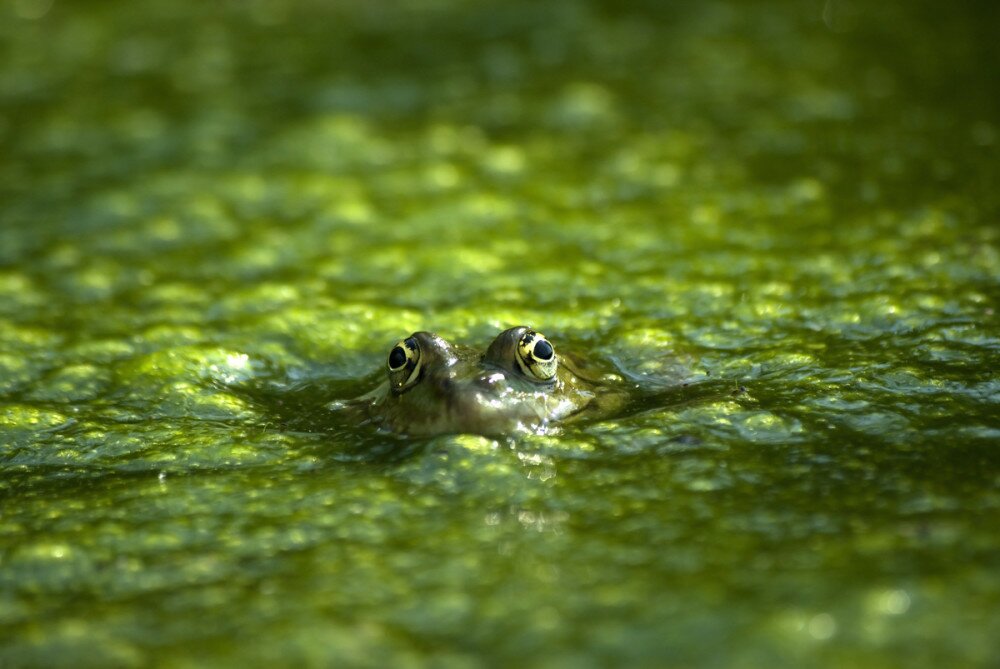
x=404, y=365
x=397, y=358
x=536, y=357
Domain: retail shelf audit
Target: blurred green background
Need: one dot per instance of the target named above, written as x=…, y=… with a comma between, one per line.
x=215, y=217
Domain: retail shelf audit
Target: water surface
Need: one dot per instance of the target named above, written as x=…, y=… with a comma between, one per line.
x=217, y=217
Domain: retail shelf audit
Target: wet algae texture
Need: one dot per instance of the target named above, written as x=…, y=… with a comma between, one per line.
x=216, y=218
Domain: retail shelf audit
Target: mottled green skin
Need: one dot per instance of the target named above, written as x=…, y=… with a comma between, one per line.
x=464, y=390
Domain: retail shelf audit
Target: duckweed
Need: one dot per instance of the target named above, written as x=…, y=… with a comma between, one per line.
x=216, y=218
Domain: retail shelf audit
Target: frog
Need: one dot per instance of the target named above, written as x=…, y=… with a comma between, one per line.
x=518, y=384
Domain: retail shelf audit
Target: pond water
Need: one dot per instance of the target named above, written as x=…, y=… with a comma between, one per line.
x=216, y=218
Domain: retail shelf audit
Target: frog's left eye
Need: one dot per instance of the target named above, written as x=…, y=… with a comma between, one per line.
x=536, y=357
x=404, y=364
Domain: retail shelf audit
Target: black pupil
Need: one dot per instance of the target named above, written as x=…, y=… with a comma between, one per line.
x=543, y=350
x=397, y=358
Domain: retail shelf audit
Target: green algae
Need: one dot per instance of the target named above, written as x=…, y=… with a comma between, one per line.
x=215, y=220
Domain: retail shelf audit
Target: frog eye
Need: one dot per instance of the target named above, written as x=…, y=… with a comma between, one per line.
x=404, y=364
x=536, y=357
